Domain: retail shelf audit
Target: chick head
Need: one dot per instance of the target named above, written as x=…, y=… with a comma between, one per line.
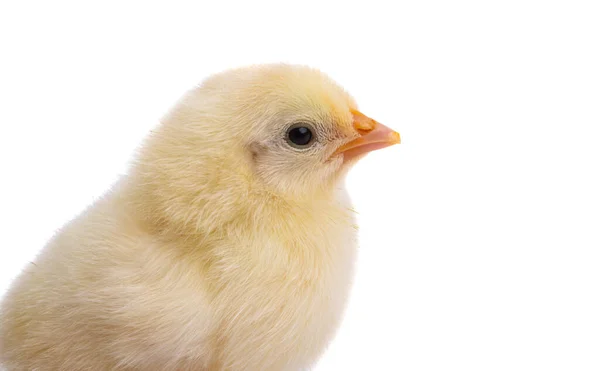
x=280, y=129
x=298, y=129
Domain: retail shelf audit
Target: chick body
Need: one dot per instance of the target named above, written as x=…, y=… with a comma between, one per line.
x=207, y=255
x=107, y=294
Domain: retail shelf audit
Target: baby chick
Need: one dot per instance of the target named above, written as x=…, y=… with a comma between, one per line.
x=228, y=246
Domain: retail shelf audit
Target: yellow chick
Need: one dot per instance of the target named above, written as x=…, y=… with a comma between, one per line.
x=229, y=245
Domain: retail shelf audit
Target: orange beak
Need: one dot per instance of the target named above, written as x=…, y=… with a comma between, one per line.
x=373, y=136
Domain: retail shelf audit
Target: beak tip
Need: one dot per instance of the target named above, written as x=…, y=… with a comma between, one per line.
x=395, y=137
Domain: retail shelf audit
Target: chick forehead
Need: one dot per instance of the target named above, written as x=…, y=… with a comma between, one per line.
x=284, y=87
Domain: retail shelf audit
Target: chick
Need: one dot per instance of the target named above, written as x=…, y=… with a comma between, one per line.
x=228, y=246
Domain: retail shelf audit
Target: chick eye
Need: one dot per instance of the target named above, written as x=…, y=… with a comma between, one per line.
x=300, y=135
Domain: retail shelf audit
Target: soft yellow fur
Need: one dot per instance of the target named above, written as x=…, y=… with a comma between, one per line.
x=222, y=249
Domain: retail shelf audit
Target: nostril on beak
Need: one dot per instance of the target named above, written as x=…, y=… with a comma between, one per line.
x=362, y=123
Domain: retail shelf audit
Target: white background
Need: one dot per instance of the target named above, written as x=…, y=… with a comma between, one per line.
x=480, y=232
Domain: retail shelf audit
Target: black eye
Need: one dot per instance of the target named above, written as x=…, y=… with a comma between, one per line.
x=300, y=135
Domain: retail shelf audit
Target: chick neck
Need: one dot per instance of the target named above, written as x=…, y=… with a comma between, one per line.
x=229, y=194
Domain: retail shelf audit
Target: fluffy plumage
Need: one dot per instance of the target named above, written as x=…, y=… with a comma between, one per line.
x=224, y=248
